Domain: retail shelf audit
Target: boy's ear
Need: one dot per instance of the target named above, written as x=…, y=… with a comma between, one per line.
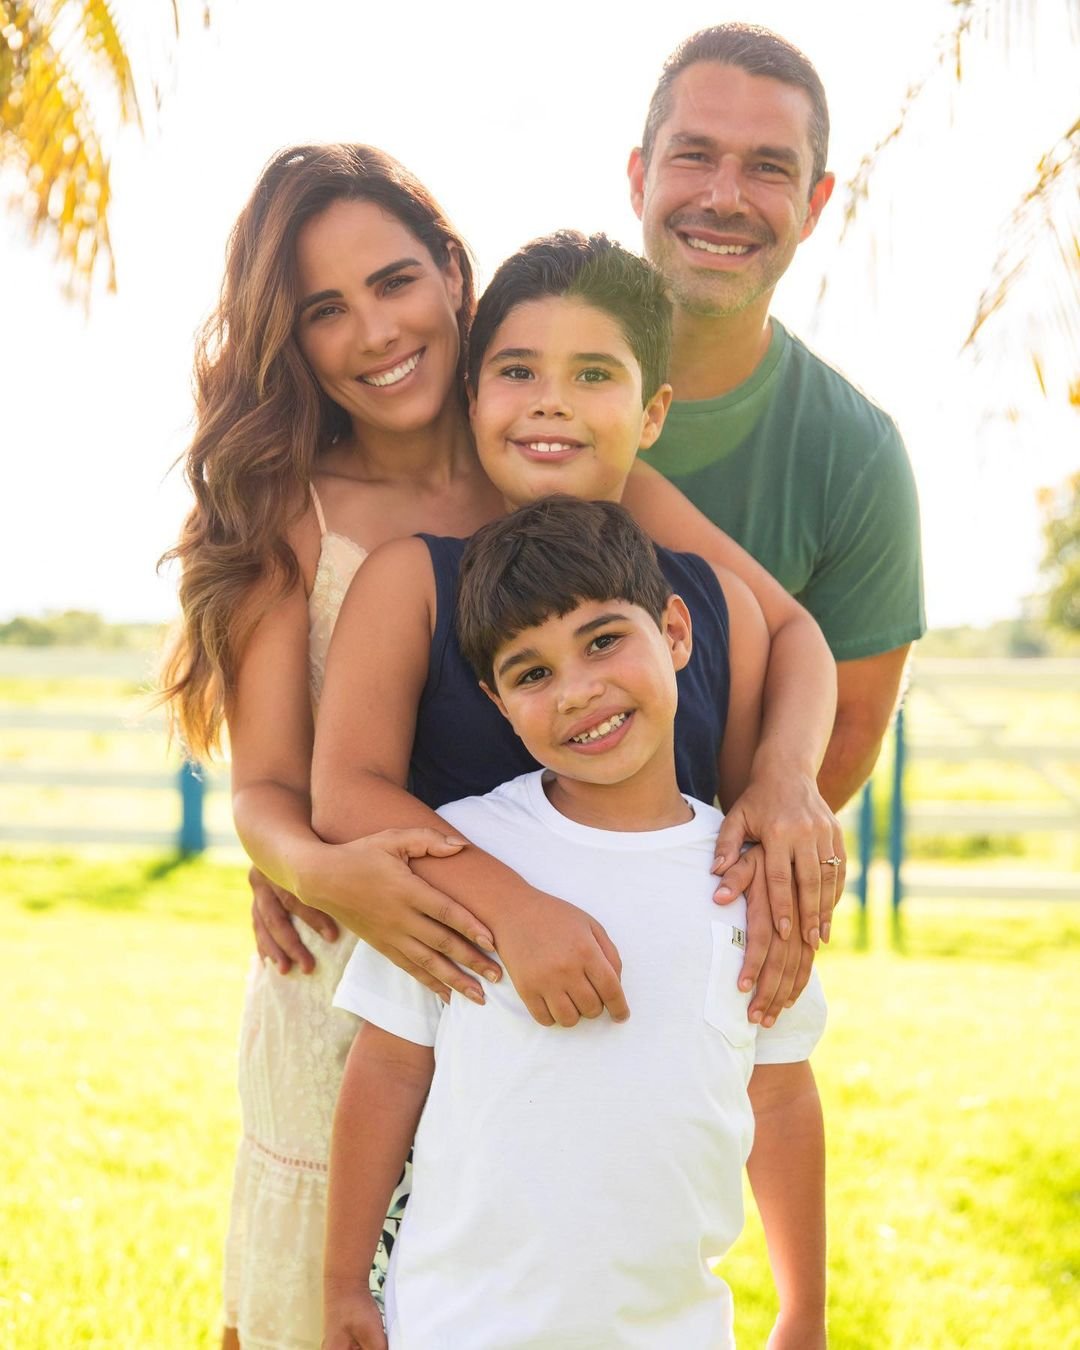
x=677, y=630
x=653, y=417
x=495, y=699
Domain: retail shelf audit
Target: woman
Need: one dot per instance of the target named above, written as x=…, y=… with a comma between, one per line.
x=331, y=418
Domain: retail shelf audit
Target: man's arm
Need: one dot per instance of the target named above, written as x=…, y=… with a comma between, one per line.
x=382, y=1095
x=782, y=807
x=787, y=1174
x=779, y=967
x=748, y=660
x=866, y=697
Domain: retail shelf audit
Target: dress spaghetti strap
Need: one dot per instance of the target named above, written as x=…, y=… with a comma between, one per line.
x=318, y=508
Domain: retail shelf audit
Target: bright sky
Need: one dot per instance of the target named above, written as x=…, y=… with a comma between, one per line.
x=520, y=119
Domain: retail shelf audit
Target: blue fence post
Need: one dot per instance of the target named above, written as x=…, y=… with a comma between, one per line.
x=896, y=822
x=866, y=855
x=192, y=792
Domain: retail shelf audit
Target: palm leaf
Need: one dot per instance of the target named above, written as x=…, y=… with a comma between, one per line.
x=53, y=134
x=1038, y=256
x=1041, y=256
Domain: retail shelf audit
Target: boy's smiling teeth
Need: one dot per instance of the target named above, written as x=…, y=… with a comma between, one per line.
x=399, y=372
x=708, y=247
x=550, y=447
x=603, y=729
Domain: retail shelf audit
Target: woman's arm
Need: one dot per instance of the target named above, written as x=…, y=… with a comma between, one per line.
x=561, y=961
x=782, y=806
x=271, y=738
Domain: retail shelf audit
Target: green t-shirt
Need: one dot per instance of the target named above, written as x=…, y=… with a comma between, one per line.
x=813, y=480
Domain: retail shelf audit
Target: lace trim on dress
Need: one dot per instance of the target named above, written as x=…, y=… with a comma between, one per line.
x=301, y=1164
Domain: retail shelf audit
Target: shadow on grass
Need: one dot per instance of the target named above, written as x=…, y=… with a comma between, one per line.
x=173, y=884
x=990, y=935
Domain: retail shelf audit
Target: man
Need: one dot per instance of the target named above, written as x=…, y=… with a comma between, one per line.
x=768, y=441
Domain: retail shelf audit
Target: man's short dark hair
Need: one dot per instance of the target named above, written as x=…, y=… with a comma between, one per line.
x=543, y=561
x=590, y=268
x=758, y=51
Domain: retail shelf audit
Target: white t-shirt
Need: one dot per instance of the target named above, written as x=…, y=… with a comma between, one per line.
x=572, y=1185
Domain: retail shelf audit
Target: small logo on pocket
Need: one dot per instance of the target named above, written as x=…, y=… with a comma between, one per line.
x=738, y=937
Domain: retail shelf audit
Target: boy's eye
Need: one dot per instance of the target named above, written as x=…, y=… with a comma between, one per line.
x=594, y=375
x=532, y=676
x=604, y=641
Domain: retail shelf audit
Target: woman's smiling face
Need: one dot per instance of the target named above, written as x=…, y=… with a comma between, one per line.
x=377, y=317
x=558, y=405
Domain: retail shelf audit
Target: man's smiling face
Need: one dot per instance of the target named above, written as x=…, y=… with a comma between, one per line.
x=725, y=199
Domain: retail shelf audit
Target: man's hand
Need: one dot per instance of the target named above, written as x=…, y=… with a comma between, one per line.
x=562, y=963
x=275, y=936
x=800, y=837
x=780, y=967
x=352, y=1322
x=369, y=886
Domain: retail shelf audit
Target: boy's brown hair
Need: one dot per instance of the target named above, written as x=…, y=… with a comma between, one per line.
x=543, y=561
x=598, y=272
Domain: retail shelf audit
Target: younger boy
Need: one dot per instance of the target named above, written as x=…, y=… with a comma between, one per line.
x=571, y=1189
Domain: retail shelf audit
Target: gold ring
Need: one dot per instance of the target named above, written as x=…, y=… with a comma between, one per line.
x=834, y=861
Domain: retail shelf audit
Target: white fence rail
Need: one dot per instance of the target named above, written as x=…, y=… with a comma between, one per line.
x=949, y=688
x=189, y=835
x=973, y=735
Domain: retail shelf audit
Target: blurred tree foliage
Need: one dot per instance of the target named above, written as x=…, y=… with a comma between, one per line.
x=1035, y=280
x=66, y=85
x=1061, y=530
x=72, y=628
x=77, y=628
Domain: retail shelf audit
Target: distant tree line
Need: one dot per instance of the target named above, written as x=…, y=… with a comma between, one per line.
x=1023, y=637
x=74, y=628
x=1061, y=562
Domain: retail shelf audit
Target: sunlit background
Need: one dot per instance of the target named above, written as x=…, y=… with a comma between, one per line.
x=520, y=119
x=950, y=1068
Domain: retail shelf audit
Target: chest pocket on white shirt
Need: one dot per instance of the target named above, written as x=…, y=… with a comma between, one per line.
x=725, y=1003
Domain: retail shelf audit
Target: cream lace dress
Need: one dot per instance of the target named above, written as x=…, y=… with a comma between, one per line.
x=293, y=1045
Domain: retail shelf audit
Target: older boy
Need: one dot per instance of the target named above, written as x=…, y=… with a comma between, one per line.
x=572, y=1190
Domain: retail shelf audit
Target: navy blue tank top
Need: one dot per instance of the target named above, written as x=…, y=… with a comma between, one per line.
x=464, y=746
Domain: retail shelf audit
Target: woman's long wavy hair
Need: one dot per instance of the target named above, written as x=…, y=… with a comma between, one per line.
x=262, y=418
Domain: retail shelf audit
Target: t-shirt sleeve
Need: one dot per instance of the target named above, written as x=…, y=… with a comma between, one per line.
x=376, y=990
x=797, y=1030
x=867, y=589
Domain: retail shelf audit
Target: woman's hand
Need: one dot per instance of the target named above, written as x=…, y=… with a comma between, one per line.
x=369, y=886
x=276, y=939
x=800, y=837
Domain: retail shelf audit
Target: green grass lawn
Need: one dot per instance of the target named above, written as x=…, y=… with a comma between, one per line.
x=950, y=1079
